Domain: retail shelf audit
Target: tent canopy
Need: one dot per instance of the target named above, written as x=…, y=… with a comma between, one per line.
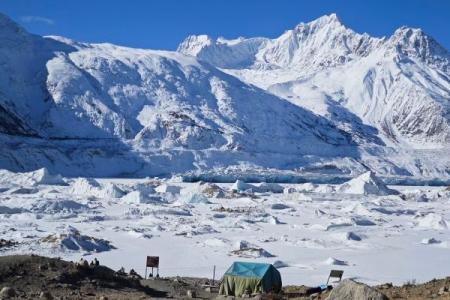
x=247, y=269
x=246, y=277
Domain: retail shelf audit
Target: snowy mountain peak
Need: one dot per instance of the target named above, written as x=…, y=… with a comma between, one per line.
x=194, y=44
x=319, y=97
x=415, y=43
x=7, y=24
x=406, y=31
x=10, y=31
x=330, y=20
x=389, y=83
x=314, y=45
x=221, y=52
x=319, y=44
x=157, y=99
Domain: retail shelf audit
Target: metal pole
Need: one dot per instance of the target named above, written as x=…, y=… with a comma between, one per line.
x=214, y=274
x=145, y=272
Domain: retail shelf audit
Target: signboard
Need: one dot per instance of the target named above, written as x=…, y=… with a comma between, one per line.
x=336, y=273
x=152, y=261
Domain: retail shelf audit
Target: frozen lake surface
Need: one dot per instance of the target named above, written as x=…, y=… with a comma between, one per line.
x=374, y=233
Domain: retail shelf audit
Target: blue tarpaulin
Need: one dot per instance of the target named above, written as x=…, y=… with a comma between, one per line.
x=248, y=269
x=252, y=278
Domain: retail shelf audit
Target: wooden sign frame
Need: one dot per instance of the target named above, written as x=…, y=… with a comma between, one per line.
x=152, y=262
x=335, y=274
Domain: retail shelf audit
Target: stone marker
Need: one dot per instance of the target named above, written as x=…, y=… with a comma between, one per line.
x=349, y=290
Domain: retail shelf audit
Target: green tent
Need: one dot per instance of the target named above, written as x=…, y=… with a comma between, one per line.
x=252, y=278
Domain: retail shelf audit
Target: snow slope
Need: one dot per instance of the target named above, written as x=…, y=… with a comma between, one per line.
x=135, y=104
x=162, y=99
x=398, y=86
x=84, y=109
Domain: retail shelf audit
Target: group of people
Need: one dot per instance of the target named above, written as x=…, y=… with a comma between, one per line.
x=132, y=274
x=85, y=264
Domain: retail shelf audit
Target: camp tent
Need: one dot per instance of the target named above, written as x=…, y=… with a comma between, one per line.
x=252, y=278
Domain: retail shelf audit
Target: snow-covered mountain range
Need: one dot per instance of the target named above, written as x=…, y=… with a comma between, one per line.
x=399, y=85
x=318, y=99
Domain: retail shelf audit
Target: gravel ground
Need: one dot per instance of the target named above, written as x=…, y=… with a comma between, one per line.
x=36, y=277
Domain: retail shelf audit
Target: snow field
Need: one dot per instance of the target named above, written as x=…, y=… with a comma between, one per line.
x=369, y=234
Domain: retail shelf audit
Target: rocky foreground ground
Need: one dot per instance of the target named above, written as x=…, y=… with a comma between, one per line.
x=35, y=277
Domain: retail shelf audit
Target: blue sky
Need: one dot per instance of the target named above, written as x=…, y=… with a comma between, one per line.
x=162, y=24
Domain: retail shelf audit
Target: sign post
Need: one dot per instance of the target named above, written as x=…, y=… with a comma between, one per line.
x=152, y=262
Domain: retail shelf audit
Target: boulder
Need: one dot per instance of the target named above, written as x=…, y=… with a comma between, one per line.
x=46, y=295
x=443, y=290
x=190, y=294
x=289, y=190
x=7, y=293
x=349, y=289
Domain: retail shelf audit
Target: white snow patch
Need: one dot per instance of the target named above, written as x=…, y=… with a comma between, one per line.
x=366, y=184
x=432, y=221
x=91, y=187
x=430, y=241
x=58, y=206
x=71, y=239
x=241, y=186
x=193, y=198
x=265, y=187
x=167, y=188
x=138, y=197
x=38, y=177
x=248, y=250
x=335, y=262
